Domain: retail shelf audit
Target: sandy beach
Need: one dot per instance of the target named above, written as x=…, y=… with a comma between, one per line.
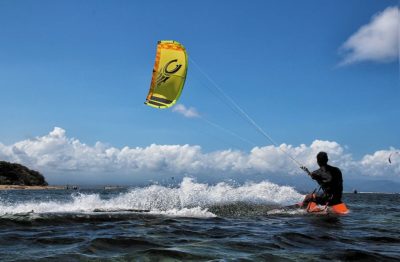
x=18, y=187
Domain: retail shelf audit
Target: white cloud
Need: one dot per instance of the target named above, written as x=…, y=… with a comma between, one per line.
x=190, y=112
x=377, y=41
x=56, y=154
x=378, y=163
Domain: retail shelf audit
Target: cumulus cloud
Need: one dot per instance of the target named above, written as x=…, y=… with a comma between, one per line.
x=55, y=153
x=190, y=112
x=377, y=41
x=377, y=163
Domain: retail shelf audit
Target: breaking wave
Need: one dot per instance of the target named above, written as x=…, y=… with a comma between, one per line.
x=189, y=199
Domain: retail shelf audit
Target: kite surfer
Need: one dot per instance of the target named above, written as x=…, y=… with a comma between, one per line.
x=330, y=180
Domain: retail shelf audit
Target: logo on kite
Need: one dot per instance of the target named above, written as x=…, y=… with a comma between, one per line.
x=164, y=74
x=169, y=74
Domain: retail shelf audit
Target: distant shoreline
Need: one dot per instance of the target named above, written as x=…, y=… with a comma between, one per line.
x=18, y=187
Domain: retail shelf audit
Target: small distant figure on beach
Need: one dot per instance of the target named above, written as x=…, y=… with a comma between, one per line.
x=71, y=187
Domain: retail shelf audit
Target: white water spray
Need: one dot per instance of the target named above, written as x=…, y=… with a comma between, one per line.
x=190, y=199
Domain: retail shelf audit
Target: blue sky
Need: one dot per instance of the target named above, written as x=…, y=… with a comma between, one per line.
x=85, y=66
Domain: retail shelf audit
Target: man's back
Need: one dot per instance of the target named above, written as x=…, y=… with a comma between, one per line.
x=331, y=181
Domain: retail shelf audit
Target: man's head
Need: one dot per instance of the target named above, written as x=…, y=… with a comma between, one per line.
x=322, y=158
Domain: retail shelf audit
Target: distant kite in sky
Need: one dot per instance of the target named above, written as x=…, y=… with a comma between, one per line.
x=390, y=156
x=169, y=74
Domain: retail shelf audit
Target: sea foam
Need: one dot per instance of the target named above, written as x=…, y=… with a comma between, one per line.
x=189, y=199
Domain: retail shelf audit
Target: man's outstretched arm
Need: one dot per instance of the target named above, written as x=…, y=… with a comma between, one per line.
x=305, y=169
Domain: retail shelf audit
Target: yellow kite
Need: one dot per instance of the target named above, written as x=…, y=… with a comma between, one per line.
x=169, y=74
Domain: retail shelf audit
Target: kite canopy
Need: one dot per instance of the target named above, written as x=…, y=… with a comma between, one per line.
x=169, y=74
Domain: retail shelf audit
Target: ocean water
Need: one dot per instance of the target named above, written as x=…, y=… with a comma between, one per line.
x=193, y=222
